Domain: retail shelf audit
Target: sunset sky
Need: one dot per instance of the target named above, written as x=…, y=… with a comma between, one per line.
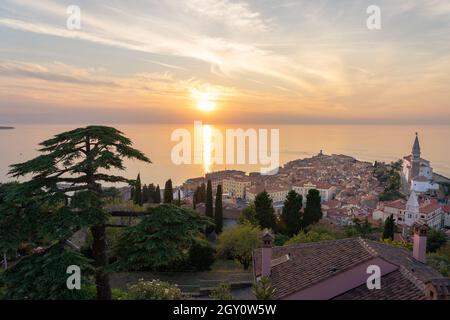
x=287, y=61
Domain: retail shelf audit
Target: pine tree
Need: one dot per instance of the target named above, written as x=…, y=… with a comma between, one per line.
x=313, y=209
x=389, y=228
x=137, y=196
x=157, y=198
x=291, y=216
x=218, y=210
x=81, y=158
x=168, y=192
x=264, y=211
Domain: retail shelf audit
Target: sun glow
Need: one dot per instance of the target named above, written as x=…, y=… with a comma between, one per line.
x=206, y=105
x=206, y=101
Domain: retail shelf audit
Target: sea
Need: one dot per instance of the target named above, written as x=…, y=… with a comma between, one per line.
x=364, y=142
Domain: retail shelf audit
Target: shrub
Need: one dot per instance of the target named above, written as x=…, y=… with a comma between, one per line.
x=263, y=289
x=119, y=294
x=201, y=255
x=222, y=292
x=154, y=290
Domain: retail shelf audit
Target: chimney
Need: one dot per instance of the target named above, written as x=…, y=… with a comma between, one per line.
x=266, y=257
x=420, y=242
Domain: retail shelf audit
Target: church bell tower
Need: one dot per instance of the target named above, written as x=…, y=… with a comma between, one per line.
x=415, y=158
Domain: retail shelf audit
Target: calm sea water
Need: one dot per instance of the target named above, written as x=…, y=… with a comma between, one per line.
x=369, y=143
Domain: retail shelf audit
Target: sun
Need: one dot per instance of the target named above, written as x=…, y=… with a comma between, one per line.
x=206, y=105
x=206, y=101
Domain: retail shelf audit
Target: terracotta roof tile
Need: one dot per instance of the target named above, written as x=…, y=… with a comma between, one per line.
x=394, y=286
x=311, y=263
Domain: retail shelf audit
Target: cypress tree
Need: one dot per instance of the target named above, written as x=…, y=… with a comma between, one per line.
x=179, y=198
x=389, y=228
x=209, y=204
x=145, y=194
x=218, y=210
x=132, y=193
x=201, y=193
x=157, y=198
x=313, y=209
x=265, y=214
x=137, y=196
x=168, y=192
x=209, y=200
x=291, y=216
x=151, y=193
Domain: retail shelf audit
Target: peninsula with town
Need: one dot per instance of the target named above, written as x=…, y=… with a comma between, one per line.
x=349, y=189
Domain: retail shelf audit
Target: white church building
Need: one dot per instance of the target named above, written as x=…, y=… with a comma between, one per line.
x=417, y=172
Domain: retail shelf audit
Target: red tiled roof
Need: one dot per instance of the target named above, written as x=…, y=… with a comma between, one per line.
x=398, y=204
x=332, y=203
x=395, y=287
x=429, y=208
x=317, y=184
x=311, y=263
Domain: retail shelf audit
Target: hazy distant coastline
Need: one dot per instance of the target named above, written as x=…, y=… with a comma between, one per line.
x=6, y=128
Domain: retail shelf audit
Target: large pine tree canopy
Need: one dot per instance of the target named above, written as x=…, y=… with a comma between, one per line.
x=63, y=193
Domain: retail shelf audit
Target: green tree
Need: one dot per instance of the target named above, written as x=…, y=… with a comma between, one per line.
x=201, y=255
x=218, y=211
x=202, y=194
x=435, y=240
x=75, y=161
x=151, y=193
x=222, y=292
x=359, y=228
x=313, y=209
x=237, y=243
x=263, y=290
x=248, y=215
x=179, y=198
x=209, y=200
x=168, y=192
x=291, y=216
x=161, y=239
x=209, y=211
x=42, y=276
x=145, y=194
x=389, y=228
x=310, y=236
x=265, y=214
x=157, y=198
x=137, y=194
x=440, y=260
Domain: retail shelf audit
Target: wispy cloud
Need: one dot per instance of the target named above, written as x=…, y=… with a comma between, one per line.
x=296, y=57
x=234, y=14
